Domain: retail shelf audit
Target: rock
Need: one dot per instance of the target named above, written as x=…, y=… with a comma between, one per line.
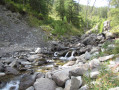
x=12, y=64
x=60, y=77
x=73, y=84
x=2, y=74
x=116, y=88
x=42, y=62
x=40, y=75
x=10, y=70
x=94, y=74
x=105, y=58
x=25, y=63
x=48, y=75
x=80, y=58
x=30, y=88
x=33, y=57
x=59, y=88
x=1, y=67
x=44, y=84
x=87, y=55
x=70, y=63
x=94, y=49
x=38, y=50
x=85, y=87
x=106, y=25
x=77, y=72
x=95, y=63
x=26, y=81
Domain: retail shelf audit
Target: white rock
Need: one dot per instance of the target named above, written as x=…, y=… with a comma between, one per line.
x=94, y=74
x=94, y=63
x=38, y=50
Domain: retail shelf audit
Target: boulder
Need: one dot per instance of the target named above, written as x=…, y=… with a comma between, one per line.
x=87, y=55
x=26, y=81
x=77, y=72
x=33, y=57
x=73, y=84
x=44, y=84
x=94, y=74
x=10, y=70
x=40, y=75
x=95, y=63
x=60, y=77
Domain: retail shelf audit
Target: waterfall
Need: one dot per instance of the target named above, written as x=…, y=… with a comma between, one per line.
x=68, y=58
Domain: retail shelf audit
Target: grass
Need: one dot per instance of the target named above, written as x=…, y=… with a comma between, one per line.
x=107, y=79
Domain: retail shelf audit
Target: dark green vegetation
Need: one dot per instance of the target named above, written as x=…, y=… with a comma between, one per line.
x=65, y=17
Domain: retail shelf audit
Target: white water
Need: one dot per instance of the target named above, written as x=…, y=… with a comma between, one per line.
x=68, y=58
x=12, y=84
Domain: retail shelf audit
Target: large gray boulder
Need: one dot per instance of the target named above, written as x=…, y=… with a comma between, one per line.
x=60, y=77
x=44, y=84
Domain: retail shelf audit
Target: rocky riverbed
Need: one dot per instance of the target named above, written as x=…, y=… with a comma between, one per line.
x=61, y=66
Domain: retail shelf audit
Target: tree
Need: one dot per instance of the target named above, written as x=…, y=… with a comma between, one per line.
x=61, y=9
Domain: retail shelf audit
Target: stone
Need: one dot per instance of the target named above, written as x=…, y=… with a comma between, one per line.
x=33, y=57
x=30, y=88
x=95, y=63
x=73, y=84
x=116, y=88
x=85, y=87
x=26, y=81
x=44, y=84
x=94, y=49
x=2, y=74
x=70, y=63
x=59, y=88
x=60, y=77
x=10, y=70
x=48, y=75
x=12, y=64
x=94, y=74
x=1, y=67
x=87, y=55
x=38, y=50
x=105, y=58
x=77, y=72
x=40, y=75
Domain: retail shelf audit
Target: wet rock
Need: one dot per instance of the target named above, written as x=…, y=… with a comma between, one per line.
x=26, y=81
x=30, y=88
x=2, y=74
x=10, y=70
x=44, y=84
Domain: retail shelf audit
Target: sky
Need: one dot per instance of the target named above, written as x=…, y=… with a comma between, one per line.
x=99, y=3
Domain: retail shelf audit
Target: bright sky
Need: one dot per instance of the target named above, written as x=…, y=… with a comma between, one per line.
x=99, y=3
